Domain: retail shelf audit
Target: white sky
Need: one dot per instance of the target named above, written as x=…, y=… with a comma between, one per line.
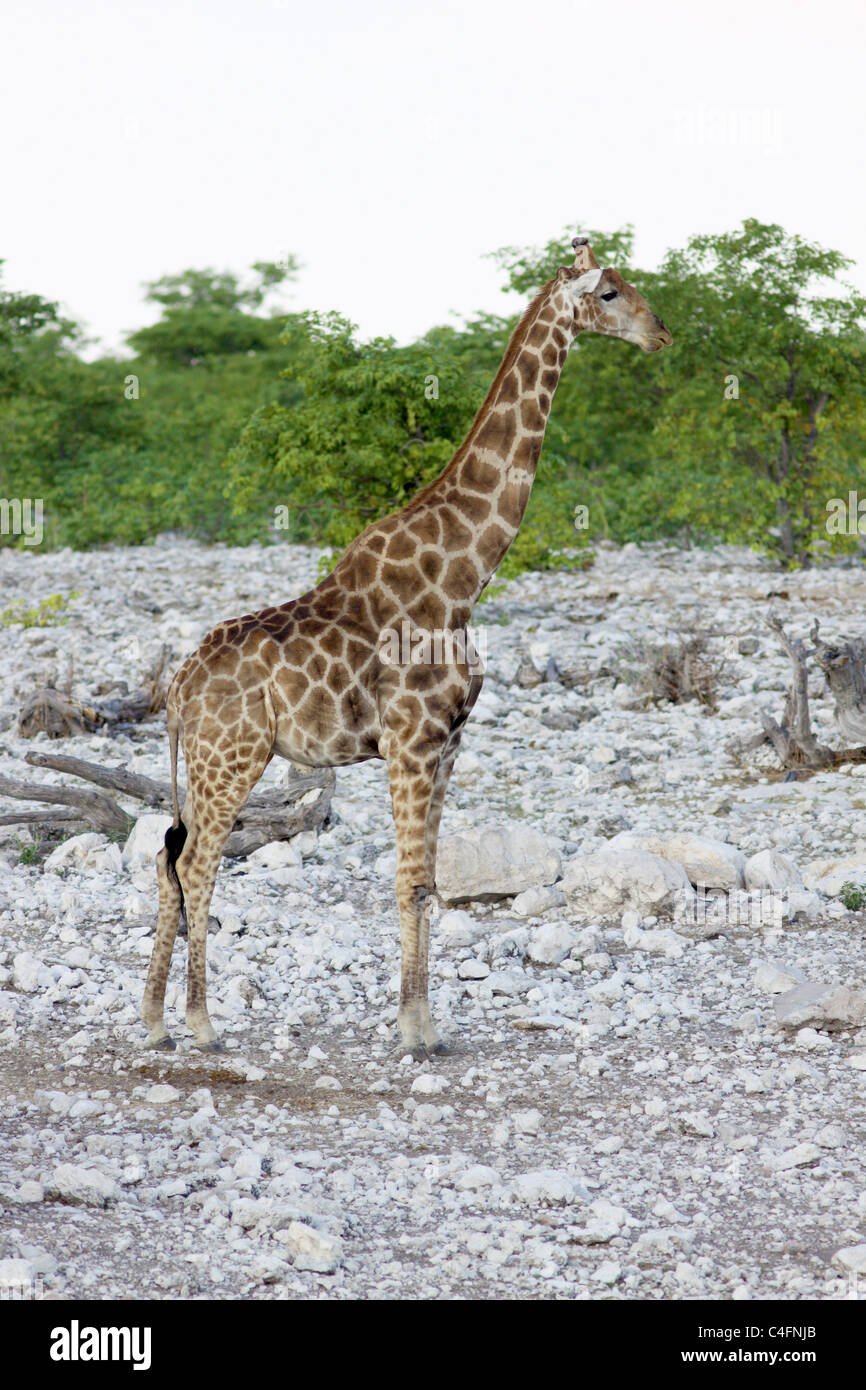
x=390, y=147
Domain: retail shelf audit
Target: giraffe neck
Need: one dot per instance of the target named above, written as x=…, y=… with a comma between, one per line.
x=489, y=480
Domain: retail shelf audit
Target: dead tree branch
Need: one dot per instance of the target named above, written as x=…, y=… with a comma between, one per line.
x=279, y=813
x=793, y=739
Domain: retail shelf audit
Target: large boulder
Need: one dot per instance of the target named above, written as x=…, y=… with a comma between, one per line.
x=772, y=871
x=828, y=875
x=551, y=943
x=708, y=862
x=610, y=880
x=831, y=1007
x=712, y=863
x=75, y=852
x=145, y=840
x=496, y=862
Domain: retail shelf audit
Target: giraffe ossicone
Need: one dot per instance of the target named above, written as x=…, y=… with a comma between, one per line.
x=306, y=680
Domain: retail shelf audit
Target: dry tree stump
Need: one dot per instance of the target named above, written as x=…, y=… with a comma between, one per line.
x=57, y=714
x=792, y=736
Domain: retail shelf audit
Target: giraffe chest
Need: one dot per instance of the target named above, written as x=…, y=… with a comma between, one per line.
x=321, y=723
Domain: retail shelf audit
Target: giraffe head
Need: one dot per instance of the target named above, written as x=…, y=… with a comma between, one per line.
x=605, y=303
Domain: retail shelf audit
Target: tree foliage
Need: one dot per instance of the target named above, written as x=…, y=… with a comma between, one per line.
x=233, y=420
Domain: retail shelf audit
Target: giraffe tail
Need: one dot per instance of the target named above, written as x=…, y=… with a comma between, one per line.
x=175, y=836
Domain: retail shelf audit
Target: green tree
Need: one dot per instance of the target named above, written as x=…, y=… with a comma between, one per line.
x=374, y=422
x=208, y=314
x=121, y=449
x=764, y=415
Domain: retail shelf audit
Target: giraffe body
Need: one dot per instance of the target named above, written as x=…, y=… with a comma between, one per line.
x=309, y=681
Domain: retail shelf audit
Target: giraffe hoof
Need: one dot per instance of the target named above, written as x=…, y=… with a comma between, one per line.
x=165, y=1044
x=423, y=1053
x=215, y=1045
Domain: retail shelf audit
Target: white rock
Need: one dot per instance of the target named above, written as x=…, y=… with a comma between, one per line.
x=312, y=1249
x=536, y=901
x=697, y=1122
x=473, y=970
x=386, y=863
x=611, y=1145
x=248, y=1212
x=801, y=1156
x=773, y=871
x=551, y=943
x=26, y=972
x=87, y=1186
x=248, y=1164
x=476, y=1176
x=510, y=982
x=30, y=1191
x=459, y=928
x=778, y=979
x=831, y=1137
x=828, y=875
x=276, y=854
x=145, y=840
x=712, y=863
x=426, y=1115
x=74, y=851
x=497, y=862
x=608, y=1272
x=602, y=753
x=16, y=1274
x=526, y=1121
x=429, y=1084
x=548, y=1187
x=270, y=1269
x=162, y=1095
x=799, y=902
x=852, y=1257
x=822, y=1006
x=658, y=941
x=611, y=880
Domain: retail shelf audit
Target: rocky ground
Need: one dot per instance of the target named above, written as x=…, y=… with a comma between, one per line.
x=650, y=1093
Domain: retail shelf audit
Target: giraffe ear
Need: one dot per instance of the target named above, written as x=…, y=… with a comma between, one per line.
x=587, y=282
x=584, y=259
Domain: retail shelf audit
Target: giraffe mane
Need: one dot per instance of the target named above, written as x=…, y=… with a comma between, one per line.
x=515, y=343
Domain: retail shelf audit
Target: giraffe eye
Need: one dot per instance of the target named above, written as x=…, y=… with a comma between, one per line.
x=611, y=294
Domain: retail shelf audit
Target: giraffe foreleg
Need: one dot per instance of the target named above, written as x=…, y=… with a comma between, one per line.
x=412, y=789
x=437, y=803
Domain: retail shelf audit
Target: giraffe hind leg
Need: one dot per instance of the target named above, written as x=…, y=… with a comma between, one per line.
x=215, y=815
x=170, y=908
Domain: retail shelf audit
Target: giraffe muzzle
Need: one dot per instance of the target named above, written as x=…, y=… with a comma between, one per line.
x=658, y=338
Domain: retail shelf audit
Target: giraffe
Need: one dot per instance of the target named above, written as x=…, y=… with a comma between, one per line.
x=307, y=680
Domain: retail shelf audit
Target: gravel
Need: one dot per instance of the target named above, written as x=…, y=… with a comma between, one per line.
x=622, y=1113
